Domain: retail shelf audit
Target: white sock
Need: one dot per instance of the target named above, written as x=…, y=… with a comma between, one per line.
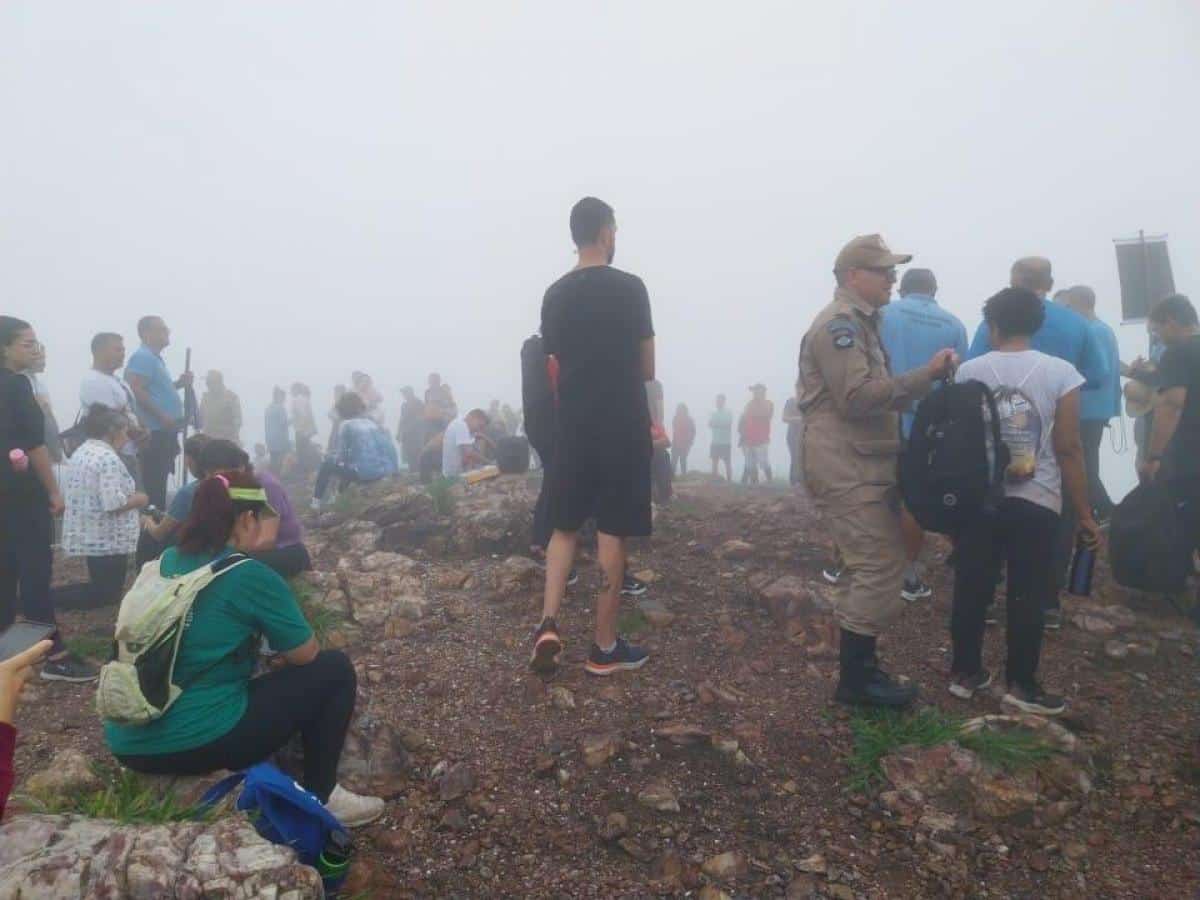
x=609, y=649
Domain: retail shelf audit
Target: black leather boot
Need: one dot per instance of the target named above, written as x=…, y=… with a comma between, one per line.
x=862, y=682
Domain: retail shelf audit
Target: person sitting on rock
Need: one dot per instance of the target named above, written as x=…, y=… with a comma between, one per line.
x=363, y=453
x=281, y=539
x=158, y=534
x=225, y=719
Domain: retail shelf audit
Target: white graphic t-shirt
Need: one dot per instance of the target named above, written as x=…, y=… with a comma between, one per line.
x=1027, y=386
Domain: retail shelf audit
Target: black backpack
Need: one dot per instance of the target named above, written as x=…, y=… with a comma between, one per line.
x=537, y=396
x=948, y=473
x=1149, y=546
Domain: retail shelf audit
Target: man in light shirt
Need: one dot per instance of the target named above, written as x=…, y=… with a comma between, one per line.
x=101, y=386
x=458, y=443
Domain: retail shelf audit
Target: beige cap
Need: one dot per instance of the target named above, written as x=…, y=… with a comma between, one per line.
x=868, y=251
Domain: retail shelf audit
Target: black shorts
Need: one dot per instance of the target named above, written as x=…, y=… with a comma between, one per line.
x=721, y=452
x=613, y=488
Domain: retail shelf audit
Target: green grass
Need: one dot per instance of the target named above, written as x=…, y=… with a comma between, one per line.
x=440, y=493
x=126, y=799
x=350, y=502
x=632, y=621
x=322, y=619
x=90, y=646
x=878, y=733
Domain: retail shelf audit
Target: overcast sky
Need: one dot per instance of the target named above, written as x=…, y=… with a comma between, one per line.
x=307, y=188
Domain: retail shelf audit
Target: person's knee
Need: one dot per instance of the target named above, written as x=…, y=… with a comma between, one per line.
x=335, y=668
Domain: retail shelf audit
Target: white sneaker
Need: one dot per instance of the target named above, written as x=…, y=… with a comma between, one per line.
x=353, y=810
x=315, y=506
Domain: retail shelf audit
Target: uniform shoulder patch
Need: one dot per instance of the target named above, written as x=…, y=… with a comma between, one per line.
x=843, y=331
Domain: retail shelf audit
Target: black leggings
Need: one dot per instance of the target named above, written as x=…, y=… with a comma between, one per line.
x=1022, y=535
x=315, y=701
x=26, y=530
x=287, y=561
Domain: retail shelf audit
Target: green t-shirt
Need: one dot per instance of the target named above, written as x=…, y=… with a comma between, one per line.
x=247, y=601
x=721, y=425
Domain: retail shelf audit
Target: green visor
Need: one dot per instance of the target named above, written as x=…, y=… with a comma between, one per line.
x=254, y=495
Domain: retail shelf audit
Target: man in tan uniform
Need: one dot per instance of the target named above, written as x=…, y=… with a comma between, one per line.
x=851, y=444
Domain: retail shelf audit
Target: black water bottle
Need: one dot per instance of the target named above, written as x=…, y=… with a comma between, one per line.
x=1083, y=565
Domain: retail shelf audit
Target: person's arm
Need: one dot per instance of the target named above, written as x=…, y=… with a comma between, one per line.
x=43, y=468
x=138, y=384
x=268, y=534
x=1166, y=420
x=1093, y=363
x=13, y=674
x=1068, y=449
x=981, y=344
x=304, y=654
x=160, y=530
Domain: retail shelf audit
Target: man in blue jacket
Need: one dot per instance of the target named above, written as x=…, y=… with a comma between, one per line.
x=1097, y=406
x=913, y=329
x=1067, y=335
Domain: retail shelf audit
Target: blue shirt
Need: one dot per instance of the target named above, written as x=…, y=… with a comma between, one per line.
x=159, y=385
x=277, y=429
x=913, y=329
x=1103, y=403
x=181, y=503
x=366, y=448
x=1064, y=334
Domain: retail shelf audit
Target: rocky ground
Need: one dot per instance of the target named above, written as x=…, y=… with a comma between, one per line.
x=721, y=768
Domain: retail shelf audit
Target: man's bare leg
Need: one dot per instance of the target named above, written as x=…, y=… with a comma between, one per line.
x=560, y=556
x=611, y=552
x=913, y=537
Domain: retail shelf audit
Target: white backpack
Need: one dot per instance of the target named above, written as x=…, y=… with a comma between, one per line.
x=138, y=686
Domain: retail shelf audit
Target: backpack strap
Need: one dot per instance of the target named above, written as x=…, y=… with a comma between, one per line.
x=218, y=568
x=225, y=564
x=217, y=793
x=999, y=464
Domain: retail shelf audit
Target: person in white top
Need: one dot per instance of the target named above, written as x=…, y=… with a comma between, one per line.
x=1037, y=401
x=101, y=519
x=458, y=443
x=102, y=387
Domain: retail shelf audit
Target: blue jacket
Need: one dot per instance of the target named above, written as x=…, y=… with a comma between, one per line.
x=1103, y=403
x=913, y=329
x=1064, y=334
x=366, y=449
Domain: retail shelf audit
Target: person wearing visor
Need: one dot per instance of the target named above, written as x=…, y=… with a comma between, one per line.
x=851, y=406
x=225, y=719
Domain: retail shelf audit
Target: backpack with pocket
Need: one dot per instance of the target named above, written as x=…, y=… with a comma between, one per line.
x=952, y=469
x=284, y=813
x=1149, y=546
x=138, y=685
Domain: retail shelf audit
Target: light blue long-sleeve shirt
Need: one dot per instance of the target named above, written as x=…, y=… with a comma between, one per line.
x=913, y=329
x=1065, y=334
x=1103, y=403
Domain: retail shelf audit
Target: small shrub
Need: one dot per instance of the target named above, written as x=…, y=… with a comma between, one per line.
x=126, y=799
x=443, y=497
x=320, y=617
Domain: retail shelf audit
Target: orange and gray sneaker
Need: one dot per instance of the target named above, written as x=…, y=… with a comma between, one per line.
x=547, y=647
x=623, y=657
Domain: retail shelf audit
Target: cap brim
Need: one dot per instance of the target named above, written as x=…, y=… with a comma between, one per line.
x=898, y=259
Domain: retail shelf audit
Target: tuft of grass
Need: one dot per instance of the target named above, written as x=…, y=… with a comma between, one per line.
x=879, y=732
x=320, y=617
x=440, y=492
x=632, y=621
x=90, y=646
x=125, y=799
x=350, y=502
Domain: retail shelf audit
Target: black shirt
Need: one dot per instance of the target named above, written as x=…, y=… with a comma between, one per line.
x=1180, y=367
x=594, y=320
x=23, y=426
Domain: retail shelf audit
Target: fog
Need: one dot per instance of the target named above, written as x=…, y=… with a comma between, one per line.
x=303, y=189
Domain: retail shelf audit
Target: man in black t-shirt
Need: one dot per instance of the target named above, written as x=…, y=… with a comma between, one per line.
x=1173, y=451
x=596, y=325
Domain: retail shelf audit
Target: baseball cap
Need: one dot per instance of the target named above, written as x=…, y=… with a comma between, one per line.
x=868, y=251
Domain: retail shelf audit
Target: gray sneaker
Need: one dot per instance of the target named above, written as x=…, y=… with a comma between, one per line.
x=69, y=668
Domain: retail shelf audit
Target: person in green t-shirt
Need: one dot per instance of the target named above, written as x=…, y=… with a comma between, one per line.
x=225, y=718
x=720, y=423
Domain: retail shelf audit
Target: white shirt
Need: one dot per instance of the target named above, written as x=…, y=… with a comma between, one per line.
x=457, y=436
x=109, y=391
x=1027, y=385
x=96, y=484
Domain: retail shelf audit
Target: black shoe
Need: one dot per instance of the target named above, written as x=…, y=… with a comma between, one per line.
x=995, y=612
x=622, y=658
x=916, y=590
x=1052, y=619
x=69, y=668
x=964, y=687
x=547, y=646
x=832, y=574
x=862, y=682
x=1033, y=699
x=631, y=587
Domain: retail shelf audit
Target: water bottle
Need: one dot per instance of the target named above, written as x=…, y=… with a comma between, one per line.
x=334, y=862
x=18, y=460
x=1083, y=565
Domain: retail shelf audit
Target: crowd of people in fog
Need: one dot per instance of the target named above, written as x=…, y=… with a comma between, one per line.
x=594, y=415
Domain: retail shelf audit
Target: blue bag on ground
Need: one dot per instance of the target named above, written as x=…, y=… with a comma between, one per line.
x=283, y=812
